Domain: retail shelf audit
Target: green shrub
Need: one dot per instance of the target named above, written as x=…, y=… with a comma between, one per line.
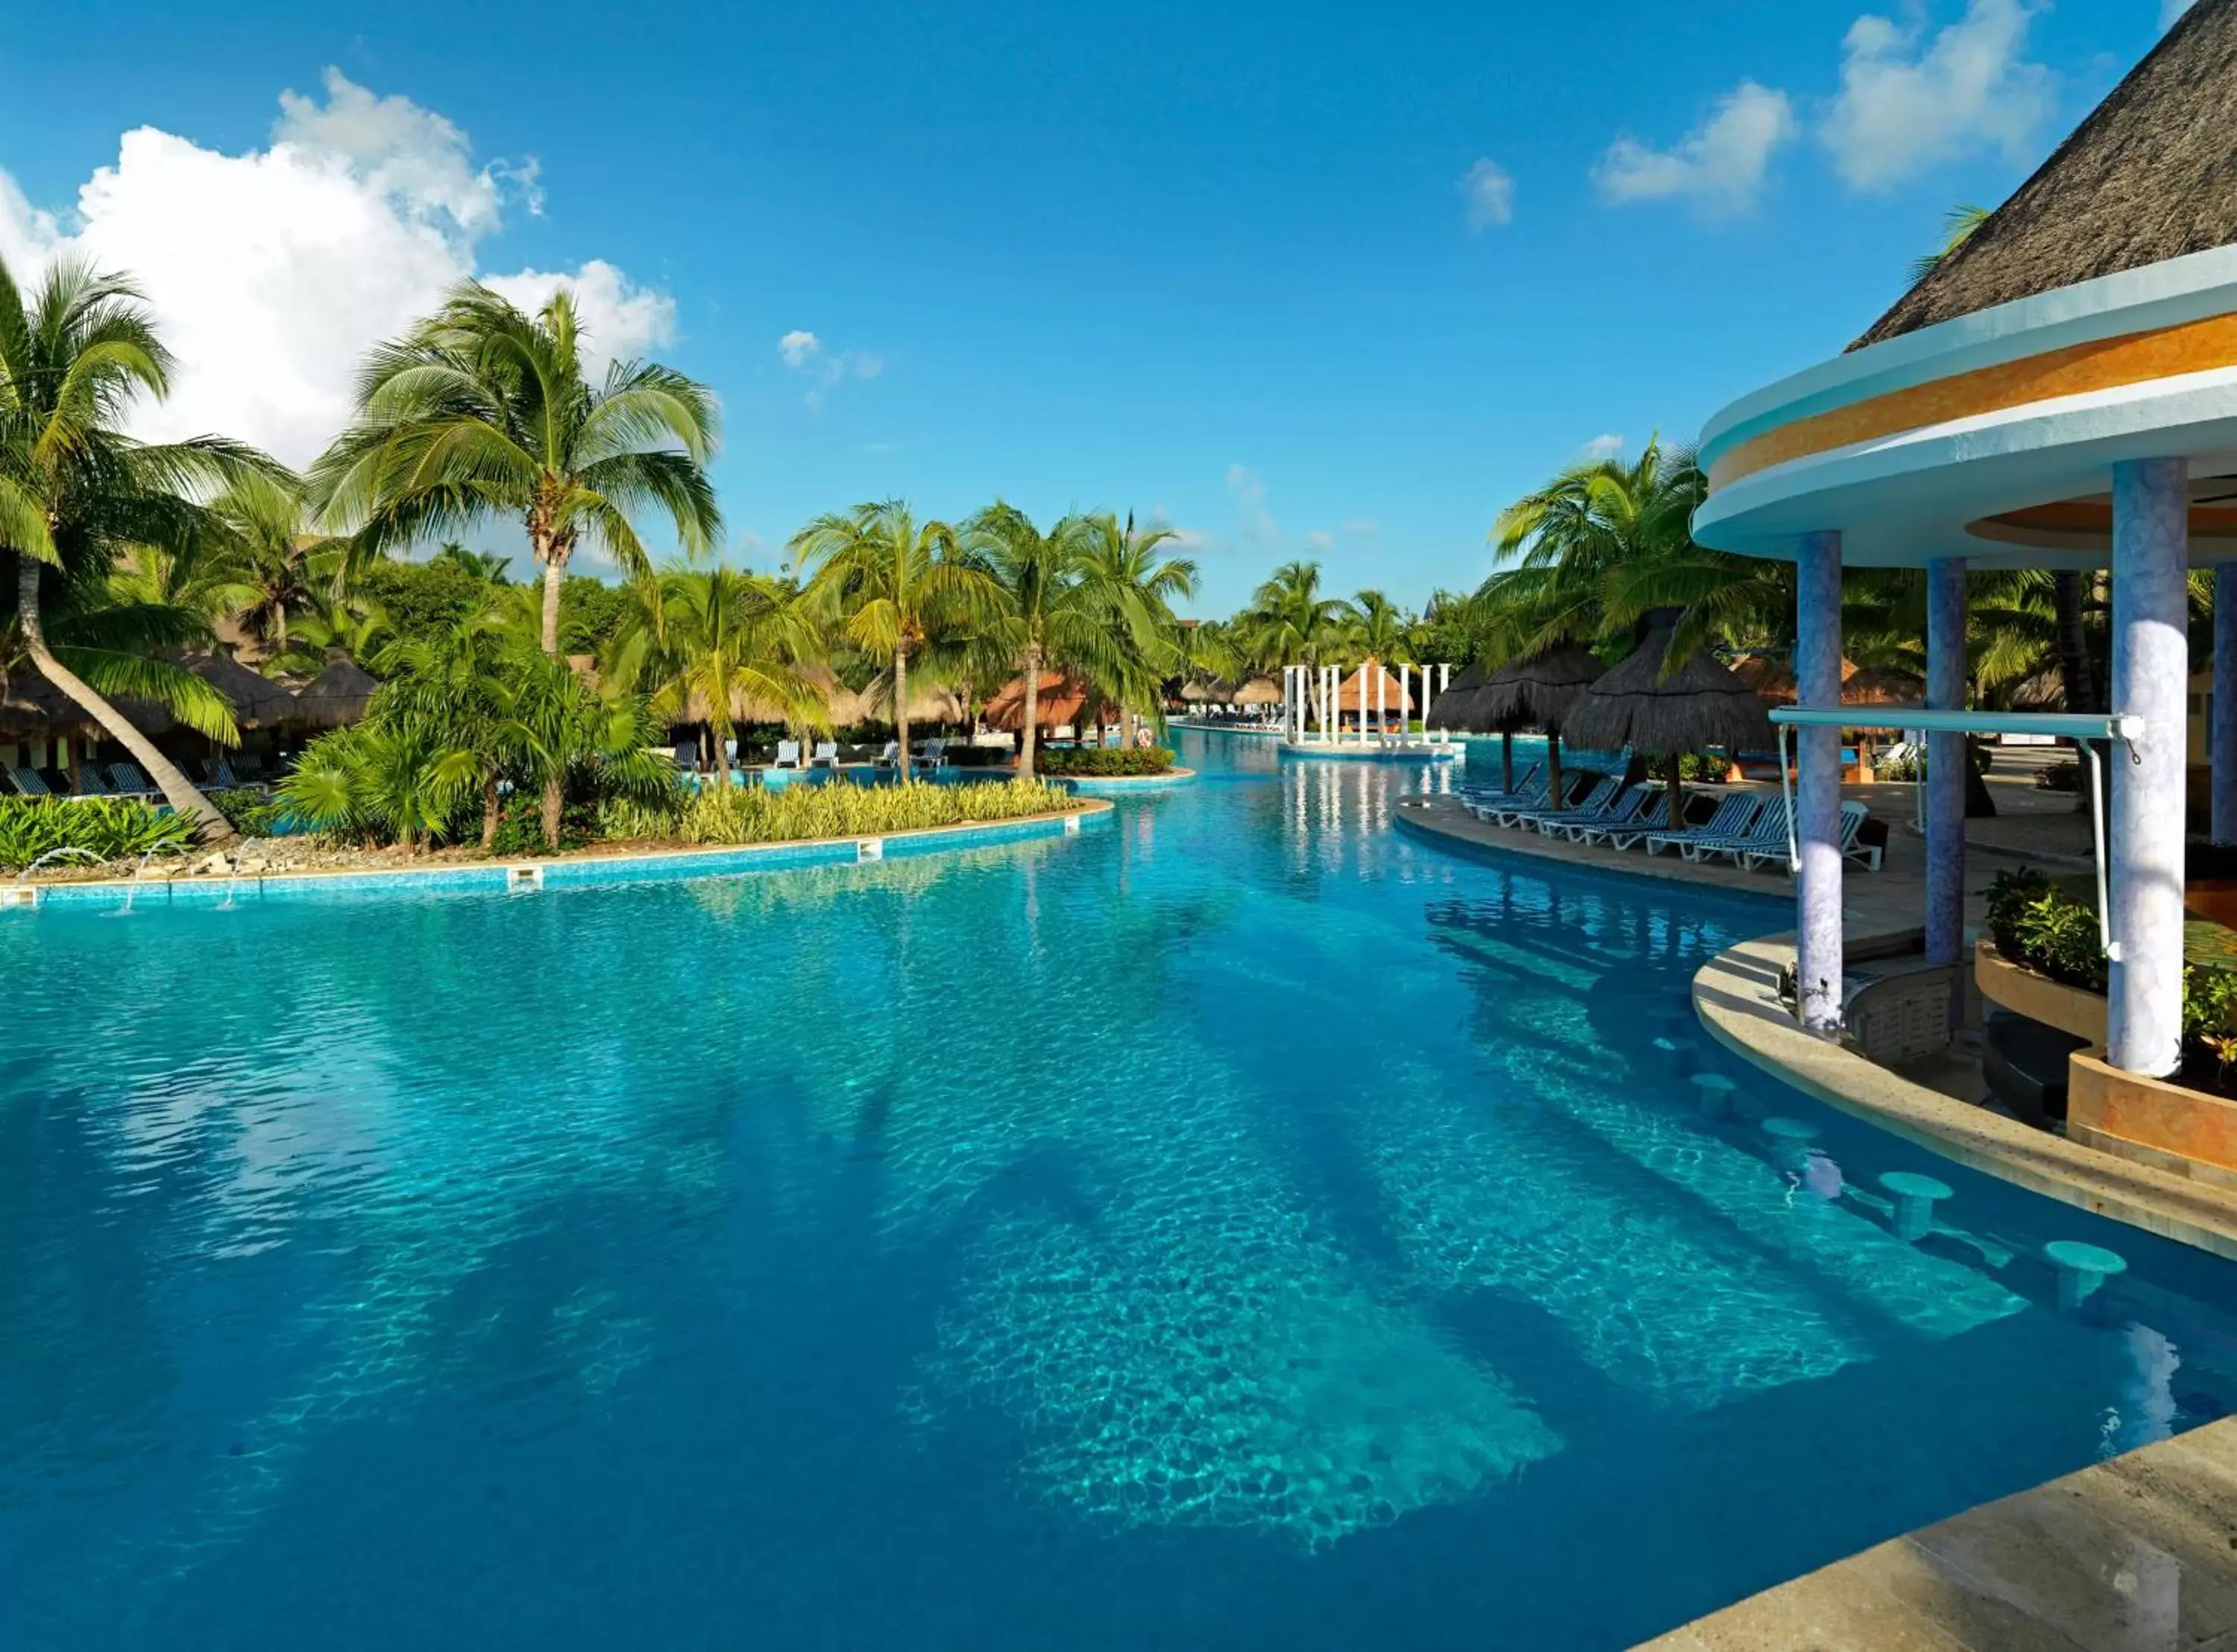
x=838, y=809
x=1104, y=759
x=1691, y=766
x=1903, y=765
x=2010, y=894
x=253, y=813
x=2036, y=923
x=86, y=829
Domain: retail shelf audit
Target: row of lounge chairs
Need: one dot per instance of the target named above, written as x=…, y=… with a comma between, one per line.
x=129, y=780
x=1749, y=828
x=930, y=756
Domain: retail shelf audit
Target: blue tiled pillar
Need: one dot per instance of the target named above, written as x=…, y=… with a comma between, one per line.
x=2151, y=680
x=1946, y=774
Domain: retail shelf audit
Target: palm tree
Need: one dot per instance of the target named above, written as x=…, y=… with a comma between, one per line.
x=1958, y=226
x=481, y=411
x=76, y=494
x=889, y=585
x=1289, y=622
x=718, y=635
x=274, y=564
x=1379, y=627
x=455, y=689
x=485, y=565
x=1136, y=585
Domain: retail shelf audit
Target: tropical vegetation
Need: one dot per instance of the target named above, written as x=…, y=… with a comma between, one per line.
x=86, y=830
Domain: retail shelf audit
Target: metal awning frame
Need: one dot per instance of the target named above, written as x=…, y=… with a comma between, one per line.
x=2083, y=727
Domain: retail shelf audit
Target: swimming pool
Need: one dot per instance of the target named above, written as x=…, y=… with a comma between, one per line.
x=1238, y=1226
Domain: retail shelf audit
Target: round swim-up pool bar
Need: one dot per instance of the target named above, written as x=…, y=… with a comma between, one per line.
x=2060, y=392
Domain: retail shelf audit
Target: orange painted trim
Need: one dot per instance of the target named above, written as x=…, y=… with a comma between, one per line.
x=2101, y=363
x=2095, y=517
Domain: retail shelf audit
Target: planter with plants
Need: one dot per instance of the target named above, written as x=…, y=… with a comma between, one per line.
x=1109, y=762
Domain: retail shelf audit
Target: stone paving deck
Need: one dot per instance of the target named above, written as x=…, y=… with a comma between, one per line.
x=2138, y=1554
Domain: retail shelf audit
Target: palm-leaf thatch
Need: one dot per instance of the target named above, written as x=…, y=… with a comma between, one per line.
x=257, y=702
x=1458, y=707
x=2145, y=178
x=335, y=697
x=31, y=706
x=1259, y=691
x=1539, y=691
x=1635, y=705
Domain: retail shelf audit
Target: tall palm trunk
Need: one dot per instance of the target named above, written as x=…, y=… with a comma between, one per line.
x=552, y=551
x=493, y=809
x=1506, y=760
x=1675, y=816
x=1553, y=768
x=1033, y=667
x=210, y=826
x=901, y=708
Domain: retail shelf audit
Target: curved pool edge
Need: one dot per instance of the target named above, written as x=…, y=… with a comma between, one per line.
x=1096, y=786
x=580, y=870
x=1735, y=997
x=1547, y=855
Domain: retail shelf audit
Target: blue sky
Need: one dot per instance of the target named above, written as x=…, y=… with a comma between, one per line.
x=1312, y=280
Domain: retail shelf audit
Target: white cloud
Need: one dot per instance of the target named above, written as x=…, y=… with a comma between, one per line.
x=803, y=353
x=2171, y=11
x=1719, y=165
x=1602, y=447
x=1362, y=528
x=1908, y=103
x=1249, y=493
x=272, y=271
x=1489, y=192
x=1321, y=539
x=618, y=317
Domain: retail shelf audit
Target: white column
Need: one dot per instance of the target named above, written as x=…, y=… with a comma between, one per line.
x=1406, y=705
x=2151, y=676
x=1425, y=702
x=1381, y=699
x=1818, y=962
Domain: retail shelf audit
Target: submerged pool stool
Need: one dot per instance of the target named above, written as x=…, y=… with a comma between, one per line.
x=2082, y=1269
x=1915, y=1199
x=1714, y=1093
x=1790, y=1142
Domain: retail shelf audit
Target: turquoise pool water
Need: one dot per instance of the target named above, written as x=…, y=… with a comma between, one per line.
x=1238, y=1226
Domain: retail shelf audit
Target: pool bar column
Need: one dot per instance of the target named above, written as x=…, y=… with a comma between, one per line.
x=1946, y=758
x=1818, y=788
x=2151, y=680
x=2222, y=717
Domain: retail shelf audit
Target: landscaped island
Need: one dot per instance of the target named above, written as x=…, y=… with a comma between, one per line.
x=71, y=840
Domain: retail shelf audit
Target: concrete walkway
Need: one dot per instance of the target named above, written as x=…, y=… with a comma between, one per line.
x=2138, y=1554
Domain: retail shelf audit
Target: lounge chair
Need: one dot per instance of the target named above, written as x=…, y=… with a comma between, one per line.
x=28, y=783
x=1592, y=803
x=1614, y=811
x=826, y=755
x=1765, y=839
x=1853, y=816
x=129, y=779
x=687, y=756
x=246, y=769
x=1653, y=816
x=1529, y=795
x=90, y=780
x=1533, y=783
x=787, y=754
x=219, y=773
x=931, y=756
x=1732, y=820
x=890, y=758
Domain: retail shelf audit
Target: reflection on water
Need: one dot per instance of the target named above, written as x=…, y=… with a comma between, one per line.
x=1237, y=1224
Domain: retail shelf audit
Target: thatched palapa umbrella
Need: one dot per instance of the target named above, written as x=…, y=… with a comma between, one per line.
x=1259, y=691
x=1541, y=690
x=337, y=696
x=257, y=702
x=1700, y=704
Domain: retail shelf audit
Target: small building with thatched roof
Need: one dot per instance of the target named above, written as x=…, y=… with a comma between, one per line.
x=1059, y=702
x=1258, y=691
x=258, y=701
